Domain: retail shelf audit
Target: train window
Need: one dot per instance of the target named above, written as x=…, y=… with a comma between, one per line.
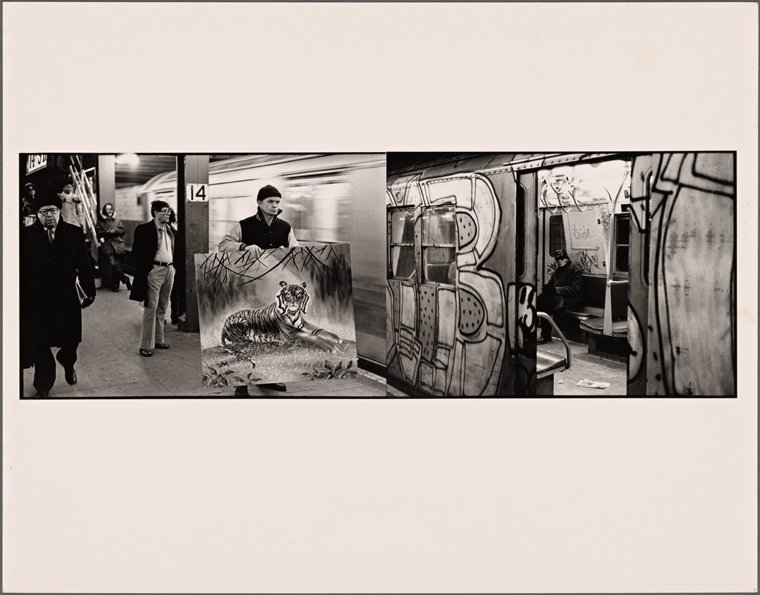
x=437, y=264
x=622, y=242
x=401, y=257
x=438, y=244
x=556, y=234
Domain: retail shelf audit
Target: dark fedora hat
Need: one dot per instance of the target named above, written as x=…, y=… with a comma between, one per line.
x=48, y=200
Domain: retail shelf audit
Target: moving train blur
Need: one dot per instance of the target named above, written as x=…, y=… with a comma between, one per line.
x=326, y=197
x=470, y=245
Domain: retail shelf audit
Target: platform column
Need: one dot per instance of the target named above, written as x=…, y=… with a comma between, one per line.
x=106, y=177
x=192, y=218
x=106, y=190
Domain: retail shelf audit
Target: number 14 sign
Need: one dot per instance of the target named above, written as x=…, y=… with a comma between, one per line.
x=197, y=193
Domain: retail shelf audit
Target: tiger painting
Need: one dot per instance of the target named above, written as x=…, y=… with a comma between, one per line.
x=280, y=319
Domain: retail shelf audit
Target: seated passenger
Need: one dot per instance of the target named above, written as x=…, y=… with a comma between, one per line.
x=563, y=291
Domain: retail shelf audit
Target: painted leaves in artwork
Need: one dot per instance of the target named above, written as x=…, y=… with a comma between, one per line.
x=331, y=371
x=217, y=378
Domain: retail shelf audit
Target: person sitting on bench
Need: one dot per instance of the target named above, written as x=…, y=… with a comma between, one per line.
x=563, y=291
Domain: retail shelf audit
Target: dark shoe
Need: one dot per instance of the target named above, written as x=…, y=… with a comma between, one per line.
x=162, y=346
x=146, y=352
x=43, y=393
x=70, y=375
x=275, y=386
x=241, y=391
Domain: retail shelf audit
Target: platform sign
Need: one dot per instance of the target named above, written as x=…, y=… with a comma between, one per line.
x=36, y=162
x=197, y=193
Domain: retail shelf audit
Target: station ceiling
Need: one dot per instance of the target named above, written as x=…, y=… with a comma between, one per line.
x=149, y=166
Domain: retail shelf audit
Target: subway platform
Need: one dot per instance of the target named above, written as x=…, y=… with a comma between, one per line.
x=585, y=366
x=109, y=364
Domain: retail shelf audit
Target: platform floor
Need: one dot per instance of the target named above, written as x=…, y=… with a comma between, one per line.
x=584, y=365
x=590, y=367
x=109, y=364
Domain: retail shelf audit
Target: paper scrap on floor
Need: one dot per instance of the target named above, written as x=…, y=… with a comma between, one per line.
x=586, y=383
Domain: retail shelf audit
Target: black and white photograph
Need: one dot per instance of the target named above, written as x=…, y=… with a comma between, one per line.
x=110, y=290
x=575, y=274
x=380, y=297
x=556, y=274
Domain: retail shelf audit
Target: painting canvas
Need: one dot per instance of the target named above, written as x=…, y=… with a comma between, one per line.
x=284, y=315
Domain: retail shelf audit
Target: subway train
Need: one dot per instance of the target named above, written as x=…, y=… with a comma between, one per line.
x=470, y=245
x=326, y=197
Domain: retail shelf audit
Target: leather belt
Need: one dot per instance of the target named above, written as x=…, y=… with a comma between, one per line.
x=162, y=264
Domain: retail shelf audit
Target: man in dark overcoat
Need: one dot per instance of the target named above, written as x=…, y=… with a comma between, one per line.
x=563, y=291
x=53, y=255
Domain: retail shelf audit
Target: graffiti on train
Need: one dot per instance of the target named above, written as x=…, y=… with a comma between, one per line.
x=636, y=345
x=446, y=320
x=692, y=277
x=588, y=261
x=522, y=302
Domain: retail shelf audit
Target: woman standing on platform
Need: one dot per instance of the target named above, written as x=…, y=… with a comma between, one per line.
x=110, y=232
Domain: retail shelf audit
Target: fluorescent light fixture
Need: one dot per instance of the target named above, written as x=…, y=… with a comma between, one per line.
x=129, y=159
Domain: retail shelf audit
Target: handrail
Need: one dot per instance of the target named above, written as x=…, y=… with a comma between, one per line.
x=568, y=357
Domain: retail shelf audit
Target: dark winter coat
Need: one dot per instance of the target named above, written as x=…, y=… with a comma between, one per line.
x=567, y=283
x=111, y=232
x=144, y=249
x=51, y=313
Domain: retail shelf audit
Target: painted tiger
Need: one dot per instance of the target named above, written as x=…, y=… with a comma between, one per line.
x=282, y=318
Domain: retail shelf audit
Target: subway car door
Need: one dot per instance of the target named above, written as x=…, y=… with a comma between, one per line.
x=522, y=293
x=638, y=288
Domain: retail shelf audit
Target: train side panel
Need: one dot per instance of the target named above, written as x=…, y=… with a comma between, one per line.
x=448, y=317
x=691, y=321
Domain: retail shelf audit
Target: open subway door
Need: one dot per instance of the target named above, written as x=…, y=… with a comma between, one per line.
x=681, y=318
x=580, y=207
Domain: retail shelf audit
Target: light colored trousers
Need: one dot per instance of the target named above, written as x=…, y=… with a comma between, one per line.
x=160, y=281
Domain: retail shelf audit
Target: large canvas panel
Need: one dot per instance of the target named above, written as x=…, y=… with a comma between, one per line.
x=285, y=315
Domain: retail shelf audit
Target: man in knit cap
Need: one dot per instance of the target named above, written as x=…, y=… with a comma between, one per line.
x=563, y=291
x=262, y=230
x=257, y=233
x=53, y=256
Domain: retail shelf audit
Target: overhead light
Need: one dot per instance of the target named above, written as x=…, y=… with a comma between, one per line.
x=129, y=159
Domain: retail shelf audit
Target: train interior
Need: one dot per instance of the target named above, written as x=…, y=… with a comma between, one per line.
x=583, y=210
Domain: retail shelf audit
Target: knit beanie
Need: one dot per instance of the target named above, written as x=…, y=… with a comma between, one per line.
x=267, y=192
